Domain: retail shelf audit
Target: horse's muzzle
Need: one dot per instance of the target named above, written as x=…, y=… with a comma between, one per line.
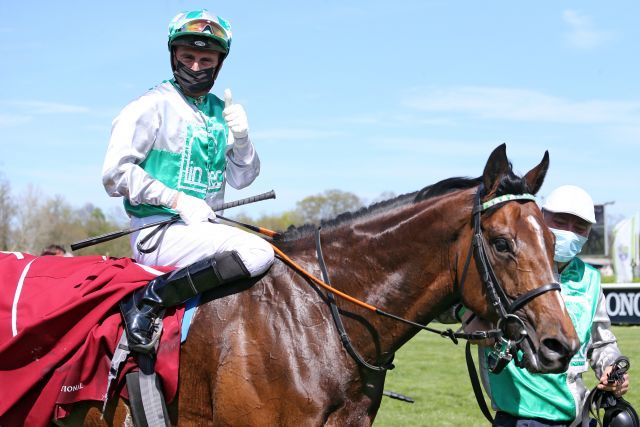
x=555, y=353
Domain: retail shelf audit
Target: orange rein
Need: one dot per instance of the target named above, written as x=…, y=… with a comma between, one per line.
x=319, y=282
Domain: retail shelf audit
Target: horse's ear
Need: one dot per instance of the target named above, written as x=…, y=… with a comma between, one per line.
x=535, y=177
x=496, y=167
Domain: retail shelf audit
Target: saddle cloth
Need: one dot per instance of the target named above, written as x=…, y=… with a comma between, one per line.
x=59, y=326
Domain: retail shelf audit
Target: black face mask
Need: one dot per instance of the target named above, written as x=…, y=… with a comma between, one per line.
x=194, y=82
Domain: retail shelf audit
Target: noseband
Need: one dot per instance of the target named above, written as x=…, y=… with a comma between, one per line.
x=507, y=344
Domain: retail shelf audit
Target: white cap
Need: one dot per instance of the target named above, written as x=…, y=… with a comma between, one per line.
x=573, y=200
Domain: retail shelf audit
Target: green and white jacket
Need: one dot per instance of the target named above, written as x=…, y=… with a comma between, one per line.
x=560, y=397
x=165, y=142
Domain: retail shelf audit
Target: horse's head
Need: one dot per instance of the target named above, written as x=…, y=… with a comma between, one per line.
x=513, y=283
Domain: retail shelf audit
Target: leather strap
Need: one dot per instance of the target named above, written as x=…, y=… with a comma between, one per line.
x=155, y=410
x=162, y=229
x=526, y=297
x=475, y=383
x=337, y=319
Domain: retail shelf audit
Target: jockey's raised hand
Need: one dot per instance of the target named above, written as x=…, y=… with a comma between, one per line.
x=193, y=210
x=236, y=118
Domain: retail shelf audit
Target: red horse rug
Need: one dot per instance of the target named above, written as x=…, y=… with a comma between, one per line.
x=59, y=327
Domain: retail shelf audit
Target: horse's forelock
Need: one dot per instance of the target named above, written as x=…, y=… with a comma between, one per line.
x=510, y=183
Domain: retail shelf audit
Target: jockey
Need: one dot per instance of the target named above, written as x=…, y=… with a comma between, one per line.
x=172, y=151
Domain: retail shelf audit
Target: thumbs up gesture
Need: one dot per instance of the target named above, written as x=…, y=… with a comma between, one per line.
x=235, y=116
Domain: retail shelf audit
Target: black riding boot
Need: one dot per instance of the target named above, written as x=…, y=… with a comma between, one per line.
x=145, y=305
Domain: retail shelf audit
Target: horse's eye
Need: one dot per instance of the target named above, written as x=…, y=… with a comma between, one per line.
x=501, y=245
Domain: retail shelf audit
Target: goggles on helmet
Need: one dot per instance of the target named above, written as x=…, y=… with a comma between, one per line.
x=202, y=26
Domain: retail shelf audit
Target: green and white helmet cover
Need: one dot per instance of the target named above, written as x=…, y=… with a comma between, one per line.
x=201, y=23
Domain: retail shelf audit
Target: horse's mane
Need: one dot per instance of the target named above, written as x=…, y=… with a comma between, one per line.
x=294, y=233
x=510, y=183
x=445, y=186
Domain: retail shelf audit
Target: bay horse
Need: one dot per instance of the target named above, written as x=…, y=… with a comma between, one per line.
x=271, y=355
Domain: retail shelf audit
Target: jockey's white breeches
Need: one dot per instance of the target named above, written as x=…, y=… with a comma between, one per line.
x=181, y=244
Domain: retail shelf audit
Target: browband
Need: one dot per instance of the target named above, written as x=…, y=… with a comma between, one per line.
x=506, y=198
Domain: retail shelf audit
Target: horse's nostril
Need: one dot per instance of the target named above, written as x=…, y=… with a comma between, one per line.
x=555, y=346
x=554, y=354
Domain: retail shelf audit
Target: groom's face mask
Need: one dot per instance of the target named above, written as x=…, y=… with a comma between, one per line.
x=571, y=234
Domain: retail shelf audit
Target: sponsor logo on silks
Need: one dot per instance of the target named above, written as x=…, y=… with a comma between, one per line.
x=71, y=388
x=193, y=175
x=215, y=181
x=190, y=177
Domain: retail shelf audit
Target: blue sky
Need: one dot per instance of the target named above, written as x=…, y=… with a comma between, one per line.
x=362, y=96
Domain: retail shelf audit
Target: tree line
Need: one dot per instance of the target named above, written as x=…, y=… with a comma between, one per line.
x=31, y=221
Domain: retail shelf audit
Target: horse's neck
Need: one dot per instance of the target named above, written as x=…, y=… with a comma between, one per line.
x=399, y=261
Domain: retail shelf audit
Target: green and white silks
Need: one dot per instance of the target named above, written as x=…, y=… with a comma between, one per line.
x=164, y=142
x=560, y=397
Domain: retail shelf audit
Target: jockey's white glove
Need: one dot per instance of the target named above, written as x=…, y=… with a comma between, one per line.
x=193, y=210
x=236, y=118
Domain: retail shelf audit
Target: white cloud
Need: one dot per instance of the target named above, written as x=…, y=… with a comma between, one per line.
x=394, y=120
x=7, y=47
x=294, y=134
x=20, y=113
x=582, y=34
x=625, y=137
x=45, y=107
x=432, y=146
x=524, y=105
x=9, y=120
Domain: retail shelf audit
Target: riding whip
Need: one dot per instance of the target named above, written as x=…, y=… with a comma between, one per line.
x=115, y=234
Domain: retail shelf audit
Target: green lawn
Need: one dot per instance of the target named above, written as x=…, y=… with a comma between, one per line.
x=432, y=370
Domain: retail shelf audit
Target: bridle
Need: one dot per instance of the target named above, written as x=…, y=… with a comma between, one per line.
x=506, y=344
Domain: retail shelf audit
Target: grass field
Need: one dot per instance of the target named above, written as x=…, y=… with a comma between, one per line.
x=432, y=370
